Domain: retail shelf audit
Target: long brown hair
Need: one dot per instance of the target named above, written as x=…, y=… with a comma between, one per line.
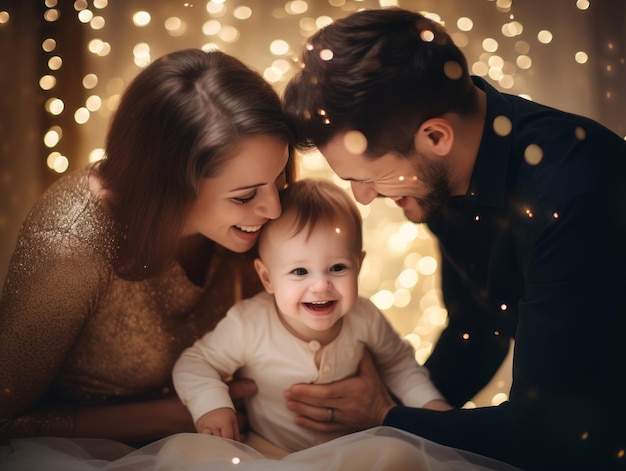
x=178, y=122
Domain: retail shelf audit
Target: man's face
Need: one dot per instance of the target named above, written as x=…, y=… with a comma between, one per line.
x=418, y=184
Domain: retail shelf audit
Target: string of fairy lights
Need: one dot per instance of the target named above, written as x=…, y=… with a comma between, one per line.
x=400, y=268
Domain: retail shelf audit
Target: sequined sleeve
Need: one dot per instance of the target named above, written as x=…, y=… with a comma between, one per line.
x=53, y=282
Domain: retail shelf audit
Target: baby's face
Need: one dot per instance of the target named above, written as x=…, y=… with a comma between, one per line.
x=313, y=276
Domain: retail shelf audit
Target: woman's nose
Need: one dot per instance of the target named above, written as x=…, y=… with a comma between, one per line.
x=269, y=205
x=363, y=192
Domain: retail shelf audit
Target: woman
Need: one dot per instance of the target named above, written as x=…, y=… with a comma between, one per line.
x=123, y=264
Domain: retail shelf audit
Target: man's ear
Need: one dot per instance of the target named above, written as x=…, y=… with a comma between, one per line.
x=264, y=275
x=434, y=137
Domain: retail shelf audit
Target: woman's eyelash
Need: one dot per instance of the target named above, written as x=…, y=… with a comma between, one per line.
x=244, y=200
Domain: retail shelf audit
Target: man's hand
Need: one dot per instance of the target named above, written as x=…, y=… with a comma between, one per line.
x=356, y=403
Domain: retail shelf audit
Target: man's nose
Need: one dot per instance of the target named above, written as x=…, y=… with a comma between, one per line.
x=363, y=192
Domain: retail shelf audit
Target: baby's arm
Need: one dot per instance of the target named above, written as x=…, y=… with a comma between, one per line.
x=220, y=422
x=395, y=360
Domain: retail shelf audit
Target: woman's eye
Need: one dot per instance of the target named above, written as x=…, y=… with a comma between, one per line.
x=338, y=267
x=299, y=271
x=245, y=199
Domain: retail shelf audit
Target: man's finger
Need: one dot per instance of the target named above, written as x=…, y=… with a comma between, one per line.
x=367, y=366
x=241, y=388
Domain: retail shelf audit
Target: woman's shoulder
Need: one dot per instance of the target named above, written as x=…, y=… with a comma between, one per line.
x=69, y=213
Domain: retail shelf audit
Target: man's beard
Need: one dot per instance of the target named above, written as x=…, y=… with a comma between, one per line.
x=434, y=176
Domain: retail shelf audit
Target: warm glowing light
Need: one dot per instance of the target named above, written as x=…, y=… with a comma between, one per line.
x=490, y=45
x=52, y=137
x=465, y=24
x=55, y=106
x=582, y=4
x=51, y=15
x=175, y=25
x=322, y=21
x=141, y=53
x=242, y=12
x=427, y=265
x=544, y=36
x=296, y=7
x=93, y=103
x=211, y=27
x=407, y=278
x=90, y=81
x=229, y=34
x=401, y=298
x=81, y=115
x=480, y=68
x=97, y=23
x=48, y=45
x=55, y=63
x=85, y=16
x=452, y=70
x=498, y=399
x=533, y=154
x=47, y=82
x=279, y=47
x=142, y=18
x=502, y=125
x=326, y=54
x=57, y=162
x=427, y=36
x=524, y=62
x=354, y=141
x=383, y=299
x=96, y=154
x=581, y=57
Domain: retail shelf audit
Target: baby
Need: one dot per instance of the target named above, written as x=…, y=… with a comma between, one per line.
x=309, y=326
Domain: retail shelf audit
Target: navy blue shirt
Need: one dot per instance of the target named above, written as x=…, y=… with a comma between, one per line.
x=535, y=252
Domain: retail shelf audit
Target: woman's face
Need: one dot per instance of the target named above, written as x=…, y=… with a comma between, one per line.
x=232, y=206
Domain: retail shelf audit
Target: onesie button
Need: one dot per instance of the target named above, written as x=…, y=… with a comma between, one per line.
x=314, y=345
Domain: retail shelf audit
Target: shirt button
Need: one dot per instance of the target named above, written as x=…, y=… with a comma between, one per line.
x=314, y=345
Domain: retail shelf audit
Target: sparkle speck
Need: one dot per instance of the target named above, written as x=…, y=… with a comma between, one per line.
x=533, y=154
x=502, y=125
x=355, y=142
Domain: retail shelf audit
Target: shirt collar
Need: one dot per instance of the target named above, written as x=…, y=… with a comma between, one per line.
x=489, y=177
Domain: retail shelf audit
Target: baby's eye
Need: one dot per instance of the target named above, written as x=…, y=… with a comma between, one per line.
x=338, y=267
x=299, y=271
x=245, y=199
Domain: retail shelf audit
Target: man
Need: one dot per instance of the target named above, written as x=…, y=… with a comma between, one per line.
x=528, y=207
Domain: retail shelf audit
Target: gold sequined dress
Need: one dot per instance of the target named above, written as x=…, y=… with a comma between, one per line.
x=73, y=332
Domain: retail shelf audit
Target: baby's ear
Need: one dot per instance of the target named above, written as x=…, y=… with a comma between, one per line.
x=264, y=275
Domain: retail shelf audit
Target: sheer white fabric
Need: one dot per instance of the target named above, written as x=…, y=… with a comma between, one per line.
x=378, y=449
